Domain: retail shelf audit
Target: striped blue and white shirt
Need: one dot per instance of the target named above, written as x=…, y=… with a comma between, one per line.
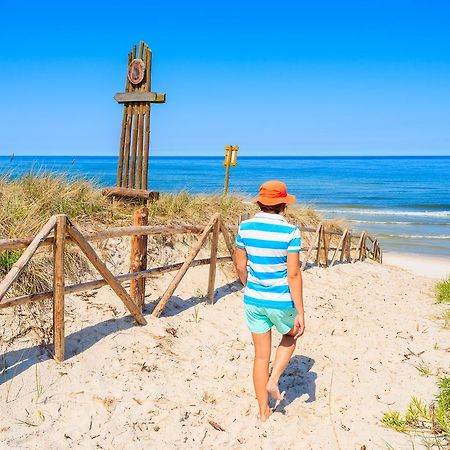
x=267, y=239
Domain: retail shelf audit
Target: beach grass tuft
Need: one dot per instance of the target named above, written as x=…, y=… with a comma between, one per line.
x=443, y=291
x=419, y=417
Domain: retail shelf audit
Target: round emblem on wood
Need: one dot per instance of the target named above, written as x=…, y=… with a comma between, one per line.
x=136, y=71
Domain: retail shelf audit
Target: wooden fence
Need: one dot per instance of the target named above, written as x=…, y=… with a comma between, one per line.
x=59, y=231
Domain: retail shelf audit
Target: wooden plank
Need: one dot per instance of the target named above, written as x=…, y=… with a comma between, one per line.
x=121, y=148
x=325, y=247
x=180, y=274
x=148, y=84
x=311, y=247
x=348, y=245
x=19, y=243
x=123, y=132
x=148, y=67
x=139, y=258
x=319, y=245
x=25, y=257
x=140, y=147
x=126, y=153
x=140, y=97
x=105, y=273
x=96, y=284
x=58, y=287
x=131, y=193
x=339, y=246
x=213, y=258
x=228, y=242
x=146, y=149
x=14, y=244
x=132, y=181
x=361, y=243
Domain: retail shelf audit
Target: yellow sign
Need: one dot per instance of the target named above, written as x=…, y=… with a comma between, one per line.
x=230, y=155
x=230, y=160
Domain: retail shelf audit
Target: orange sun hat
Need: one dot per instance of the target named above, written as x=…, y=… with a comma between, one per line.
x=274, y=192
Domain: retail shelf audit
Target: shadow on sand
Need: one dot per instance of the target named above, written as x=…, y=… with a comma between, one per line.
x=298, y=379
x=17, y=361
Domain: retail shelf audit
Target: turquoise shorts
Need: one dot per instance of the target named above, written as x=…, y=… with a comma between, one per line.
x=261, y=320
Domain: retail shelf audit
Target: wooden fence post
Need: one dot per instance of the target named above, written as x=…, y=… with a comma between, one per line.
x=180, y=274
x=58, y=287
x=227, y=239
x=341, y=245
x=213, y=261
x=312, y=245
x=348, y=246
x=325, y=246
x=138, y=261
x=362, y=246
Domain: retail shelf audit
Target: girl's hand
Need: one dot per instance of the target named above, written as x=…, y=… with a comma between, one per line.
x=299, y=325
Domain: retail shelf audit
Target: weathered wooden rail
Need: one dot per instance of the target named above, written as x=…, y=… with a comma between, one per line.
x=65, y=232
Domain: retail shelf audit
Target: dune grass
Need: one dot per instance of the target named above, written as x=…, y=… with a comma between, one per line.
x=443, y=291
x=428, y=419
x=26, y=203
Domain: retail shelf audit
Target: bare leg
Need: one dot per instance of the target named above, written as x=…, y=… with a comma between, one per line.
x=282, y=357
x=262, y=343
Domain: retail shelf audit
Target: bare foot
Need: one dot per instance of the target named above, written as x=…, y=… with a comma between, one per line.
x=274, y=391
x=265, y=415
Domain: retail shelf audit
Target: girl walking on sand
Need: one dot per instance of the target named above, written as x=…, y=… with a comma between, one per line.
x=273, y=293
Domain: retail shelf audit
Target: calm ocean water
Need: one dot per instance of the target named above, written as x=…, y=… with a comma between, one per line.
x=405, y=201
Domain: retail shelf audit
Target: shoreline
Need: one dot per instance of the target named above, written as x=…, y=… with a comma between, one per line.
x=436, y=267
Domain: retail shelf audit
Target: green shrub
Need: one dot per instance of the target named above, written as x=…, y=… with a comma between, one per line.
x=443, y=291
x=7, y=259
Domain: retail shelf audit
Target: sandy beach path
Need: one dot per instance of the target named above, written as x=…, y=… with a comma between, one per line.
x=184, y=380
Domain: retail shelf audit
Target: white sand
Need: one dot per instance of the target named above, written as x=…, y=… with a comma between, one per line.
x=428, y=266
x=161, y=386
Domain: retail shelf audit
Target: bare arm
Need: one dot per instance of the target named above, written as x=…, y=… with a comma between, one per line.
x=296, y=288
x=241, y=264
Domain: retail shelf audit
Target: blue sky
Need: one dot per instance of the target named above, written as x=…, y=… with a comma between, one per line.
x=285, y=77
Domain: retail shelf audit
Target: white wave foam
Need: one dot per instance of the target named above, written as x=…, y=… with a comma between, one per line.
x=386, y=222
x=416, y=236
x=388, y=212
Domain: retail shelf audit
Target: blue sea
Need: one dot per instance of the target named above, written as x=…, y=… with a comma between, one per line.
x=404, y=201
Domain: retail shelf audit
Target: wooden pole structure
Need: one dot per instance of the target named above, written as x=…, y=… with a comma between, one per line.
x=139, y=258
x=213, y=260
x=132, y=170
x=180, y=274
x=105, y=273
x=58, y=287
x=25, y=257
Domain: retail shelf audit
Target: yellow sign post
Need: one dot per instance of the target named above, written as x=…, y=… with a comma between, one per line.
x=230, y=160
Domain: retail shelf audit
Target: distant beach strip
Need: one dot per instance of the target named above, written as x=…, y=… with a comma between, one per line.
x=404, y=201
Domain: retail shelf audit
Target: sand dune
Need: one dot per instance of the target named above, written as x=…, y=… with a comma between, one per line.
x=184, y=380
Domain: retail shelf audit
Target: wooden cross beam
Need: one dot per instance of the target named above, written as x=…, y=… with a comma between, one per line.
x=132, y=168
